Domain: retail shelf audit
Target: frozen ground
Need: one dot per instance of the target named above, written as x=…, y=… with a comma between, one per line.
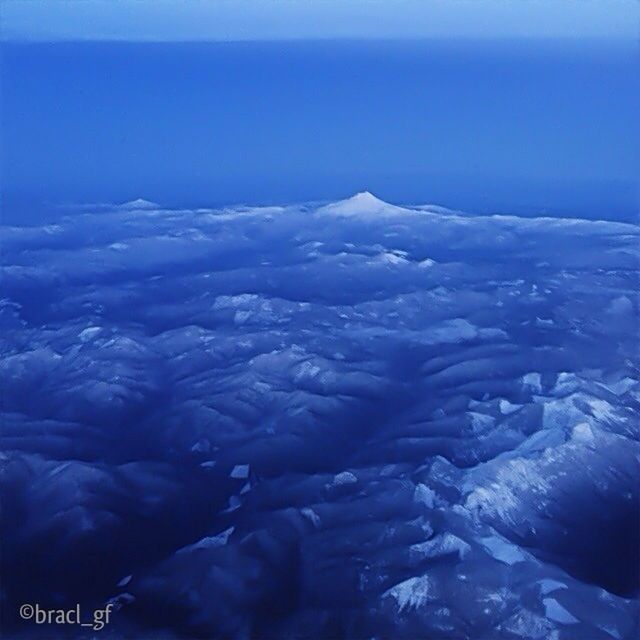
x=352, y=420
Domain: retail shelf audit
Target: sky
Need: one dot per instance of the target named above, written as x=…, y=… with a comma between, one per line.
x=170, y=20
x=454, y=102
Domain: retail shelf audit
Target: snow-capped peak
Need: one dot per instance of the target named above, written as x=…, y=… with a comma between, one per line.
x=139, y=203
x=366, y=199
x=361, y=204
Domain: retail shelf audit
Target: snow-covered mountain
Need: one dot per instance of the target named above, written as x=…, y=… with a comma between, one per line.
x=362, y=205
x=358, y=419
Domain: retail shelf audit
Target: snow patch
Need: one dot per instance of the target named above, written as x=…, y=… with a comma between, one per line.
x=240, y=472
x=502, y=550
x=556, y=612
x=346, y=477
x=210, y=542
x=412, y=593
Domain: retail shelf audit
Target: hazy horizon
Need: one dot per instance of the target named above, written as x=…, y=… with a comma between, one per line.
x=171, y=20
x=499, y=126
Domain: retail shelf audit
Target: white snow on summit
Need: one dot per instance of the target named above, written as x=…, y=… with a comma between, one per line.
x=139, y=203
x=363, y=204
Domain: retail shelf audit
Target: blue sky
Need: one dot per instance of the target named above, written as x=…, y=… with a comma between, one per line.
x=166, y=20
x=485, y=123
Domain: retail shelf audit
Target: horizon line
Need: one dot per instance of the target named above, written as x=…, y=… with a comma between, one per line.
x=634, y=40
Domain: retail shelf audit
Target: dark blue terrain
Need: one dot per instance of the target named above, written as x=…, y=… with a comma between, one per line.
x=347, y=420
